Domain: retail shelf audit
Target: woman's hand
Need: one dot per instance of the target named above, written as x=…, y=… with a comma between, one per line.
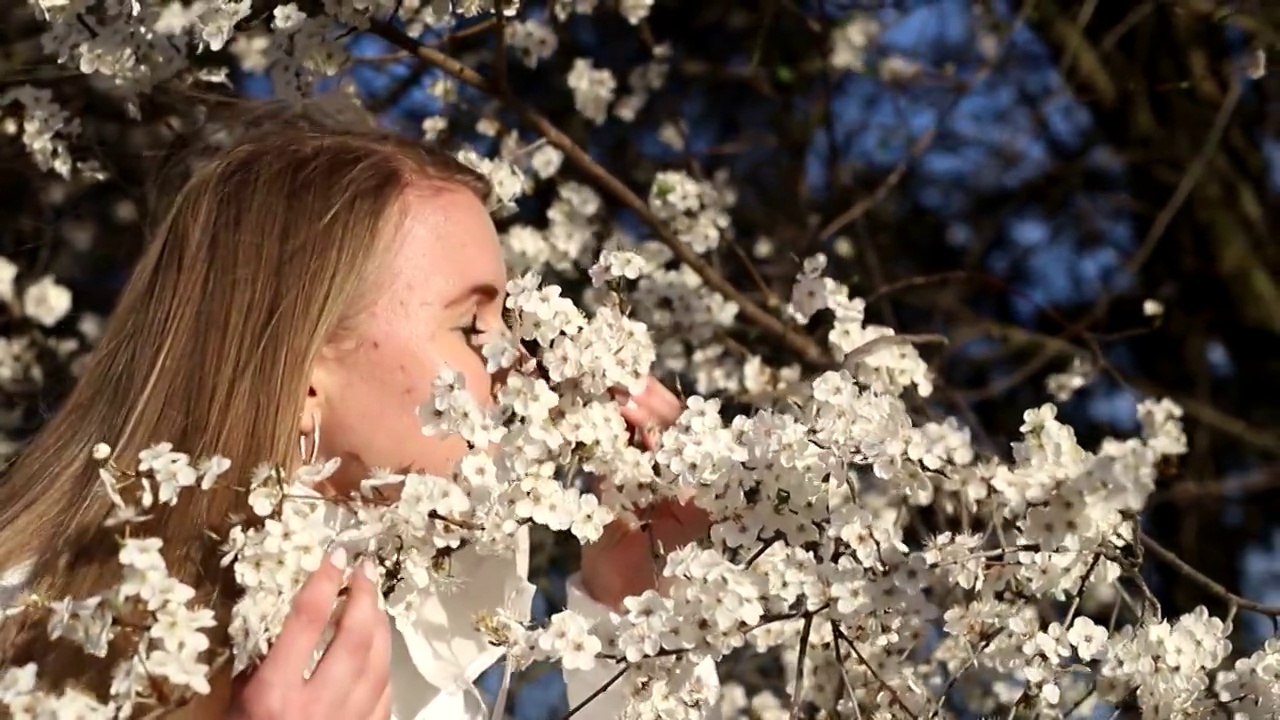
x=352, y=680
x=622, y=562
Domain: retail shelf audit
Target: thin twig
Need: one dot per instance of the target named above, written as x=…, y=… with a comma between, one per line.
x=500, y=53
x=875, y=345
x=893, y=693
x=597, y=693
x=844, y=674
x=924, y=142
x=1169, y=558
x=1084, y=584
x=797, y=692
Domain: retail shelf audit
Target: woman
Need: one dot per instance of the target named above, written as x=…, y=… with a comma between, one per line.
x=318, y=272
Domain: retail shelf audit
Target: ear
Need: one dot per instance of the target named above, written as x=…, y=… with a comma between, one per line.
x=313, y=405
x=310, y=411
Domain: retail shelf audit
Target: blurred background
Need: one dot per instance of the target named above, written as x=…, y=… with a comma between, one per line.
x=1080, y=194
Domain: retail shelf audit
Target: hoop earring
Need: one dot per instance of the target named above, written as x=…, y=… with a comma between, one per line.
x=310, y=457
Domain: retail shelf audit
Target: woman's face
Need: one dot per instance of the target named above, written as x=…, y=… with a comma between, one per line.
x=443, y=281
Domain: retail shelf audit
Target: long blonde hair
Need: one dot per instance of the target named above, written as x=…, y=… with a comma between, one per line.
x=258, y=260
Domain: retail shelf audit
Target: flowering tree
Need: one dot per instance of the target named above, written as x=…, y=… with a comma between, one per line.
x=893, y=564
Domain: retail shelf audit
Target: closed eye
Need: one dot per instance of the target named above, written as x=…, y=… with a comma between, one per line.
x=472, y=330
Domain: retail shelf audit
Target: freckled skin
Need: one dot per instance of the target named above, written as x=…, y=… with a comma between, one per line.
x=367, y=396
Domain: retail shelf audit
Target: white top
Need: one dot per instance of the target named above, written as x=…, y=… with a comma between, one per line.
x=435, y=662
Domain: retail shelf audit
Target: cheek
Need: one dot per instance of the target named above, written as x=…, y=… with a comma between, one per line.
x=387, y=387
x=374, y=390
x=377, y=403
x=404, y=373
x=461, y=359
x=479, y=382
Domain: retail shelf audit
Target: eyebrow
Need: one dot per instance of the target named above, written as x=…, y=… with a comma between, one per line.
x=484, y=290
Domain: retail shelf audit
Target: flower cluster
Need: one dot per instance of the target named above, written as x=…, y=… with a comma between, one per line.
x=892, y=566
x=811, y=542
x=37, y=310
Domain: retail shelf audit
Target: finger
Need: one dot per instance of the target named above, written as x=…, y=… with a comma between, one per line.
x=649, y=437
x=650, y=394
x=653, y=397
x=291, y=654
x=633, y=412
x=379, y=662
x=383, y=710
x=649, y=413
x=645, y=430
x=677, y=527
x=661, y=403
x=343, y=670
x=685, y=510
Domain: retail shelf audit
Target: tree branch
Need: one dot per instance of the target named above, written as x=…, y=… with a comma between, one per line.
x=1232, y=600
x=1054, y=346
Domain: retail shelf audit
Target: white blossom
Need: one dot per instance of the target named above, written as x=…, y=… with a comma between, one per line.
x=593, y=89
x=46, y=302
